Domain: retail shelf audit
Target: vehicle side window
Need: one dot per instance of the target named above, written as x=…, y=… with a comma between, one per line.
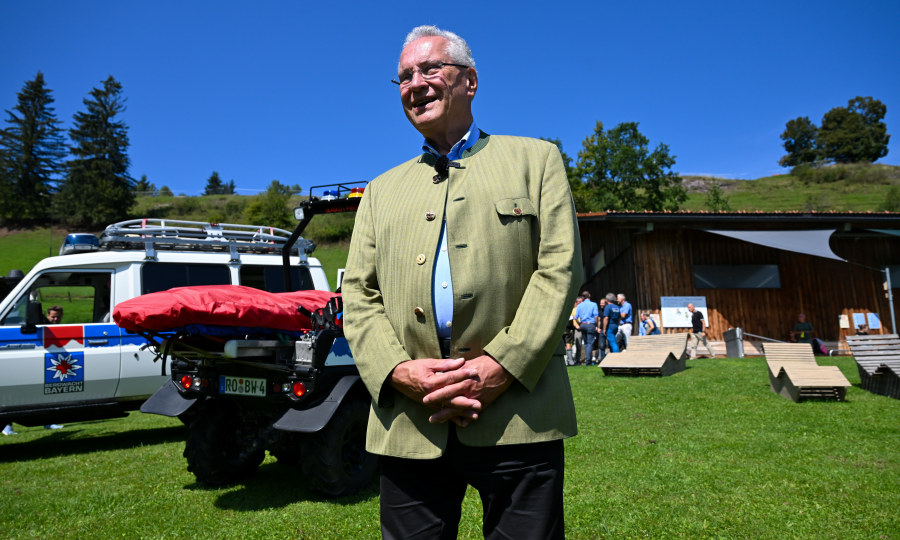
x=84, y=297
x=271, y=278
x=157, y=277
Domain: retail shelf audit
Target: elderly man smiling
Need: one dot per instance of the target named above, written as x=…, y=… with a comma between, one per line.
x=461, y=274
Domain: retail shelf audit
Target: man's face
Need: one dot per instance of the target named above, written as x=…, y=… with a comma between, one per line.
x=691, y=308
x=620, y=300
x=442, y=104
x=54, y=316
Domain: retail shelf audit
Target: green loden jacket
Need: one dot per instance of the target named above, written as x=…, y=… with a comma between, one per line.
x=515, y=257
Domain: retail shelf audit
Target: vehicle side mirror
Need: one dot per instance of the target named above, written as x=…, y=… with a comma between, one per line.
x=34, y=314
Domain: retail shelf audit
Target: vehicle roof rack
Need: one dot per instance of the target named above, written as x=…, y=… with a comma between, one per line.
x=151, y=234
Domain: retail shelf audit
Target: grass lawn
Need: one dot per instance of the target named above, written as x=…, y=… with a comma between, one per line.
x=22, y=249
x=710, y=452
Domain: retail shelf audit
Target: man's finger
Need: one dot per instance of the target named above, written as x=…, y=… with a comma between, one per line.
x=448, y=392
x=451, y=413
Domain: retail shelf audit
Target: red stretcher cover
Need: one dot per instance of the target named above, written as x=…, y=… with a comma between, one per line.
x=219, y=306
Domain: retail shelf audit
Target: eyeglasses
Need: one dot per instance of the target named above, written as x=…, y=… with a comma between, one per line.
x=428, y=72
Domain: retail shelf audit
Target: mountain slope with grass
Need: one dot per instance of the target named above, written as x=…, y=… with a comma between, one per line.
x=839, y=188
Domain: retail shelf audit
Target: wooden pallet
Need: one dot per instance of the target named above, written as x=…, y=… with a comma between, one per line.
x=795, y=374
x=878, y=361
x=658, y=355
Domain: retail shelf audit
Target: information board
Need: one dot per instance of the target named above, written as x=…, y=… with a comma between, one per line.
x=675, y=313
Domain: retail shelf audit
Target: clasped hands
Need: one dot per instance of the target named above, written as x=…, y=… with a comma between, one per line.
x=457, y=389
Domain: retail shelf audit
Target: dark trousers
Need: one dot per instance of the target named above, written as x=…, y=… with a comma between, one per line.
x=590, y=336
x=521, y=488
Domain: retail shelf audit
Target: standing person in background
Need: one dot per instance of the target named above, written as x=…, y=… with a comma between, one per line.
x=587, y=314
x=626, y=320
x=464, y=365
x=573, y=338
x=611, y=322
x=698, y=330
x=601, y=337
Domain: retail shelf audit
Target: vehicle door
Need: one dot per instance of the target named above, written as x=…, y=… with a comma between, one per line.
x=75, y=360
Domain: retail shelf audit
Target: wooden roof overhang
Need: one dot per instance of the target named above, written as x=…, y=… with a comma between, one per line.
x=841, y=221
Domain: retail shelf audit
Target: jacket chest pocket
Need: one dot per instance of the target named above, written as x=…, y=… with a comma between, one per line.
x=518, y=219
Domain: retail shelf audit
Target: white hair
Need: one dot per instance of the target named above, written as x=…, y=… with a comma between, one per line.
x=457, y=49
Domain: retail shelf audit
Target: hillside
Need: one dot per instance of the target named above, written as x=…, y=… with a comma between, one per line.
x=839, y=188
x=843, y=188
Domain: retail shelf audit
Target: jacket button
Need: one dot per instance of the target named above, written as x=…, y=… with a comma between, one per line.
x=420, y=259
x=419, y=312
x=429, y=216
x=517, y=211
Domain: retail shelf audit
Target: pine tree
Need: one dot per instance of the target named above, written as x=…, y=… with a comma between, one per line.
x=97, y=189
x=144, y=187
x=214, y=185
x=31, y=153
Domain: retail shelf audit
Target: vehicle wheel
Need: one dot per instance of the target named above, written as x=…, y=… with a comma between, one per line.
x=335, y=459
x=219, y=450
x=287, y=451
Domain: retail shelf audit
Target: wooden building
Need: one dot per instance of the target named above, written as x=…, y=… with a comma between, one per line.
x=650, y=255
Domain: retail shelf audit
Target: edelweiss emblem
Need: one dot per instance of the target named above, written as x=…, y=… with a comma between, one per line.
x=64, y=366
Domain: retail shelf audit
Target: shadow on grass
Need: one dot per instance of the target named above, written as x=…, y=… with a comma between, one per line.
x=68, y=441
x=276, y=486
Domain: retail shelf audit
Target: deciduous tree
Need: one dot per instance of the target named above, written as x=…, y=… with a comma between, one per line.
x=619, y=172
x=800, y=142
x=97, y=189
x=855, y=133
x=32, y=149
x=270, y=207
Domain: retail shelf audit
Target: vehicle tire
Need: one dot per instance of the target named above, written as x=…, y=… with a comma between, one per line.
x=219, y=449
x=335, y=460
x=288, y=450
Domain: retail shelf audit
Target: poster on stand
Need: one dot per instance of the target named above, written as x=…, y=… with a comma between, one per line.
x=675, y=313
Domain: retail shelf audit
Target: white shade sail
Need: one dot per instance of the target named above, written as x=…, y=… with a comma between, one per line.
x=810, y=242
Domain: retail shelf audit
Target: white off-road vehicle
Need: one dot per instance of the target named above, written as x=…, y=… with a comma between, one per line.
x=86, y=367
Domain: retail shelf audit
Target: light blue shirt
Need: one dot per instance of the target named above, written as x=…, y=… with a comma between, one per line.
x=625, y=313
x=442, y=284
x=587, y=312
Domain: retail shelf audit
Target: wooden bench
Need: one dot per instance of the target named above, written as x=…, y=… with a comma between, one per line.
x=658, y=355
x=878, y=361
x=794, y=373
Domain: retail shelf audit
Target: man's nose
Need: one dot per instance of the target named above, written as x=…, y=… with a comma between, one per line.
x=417, y=80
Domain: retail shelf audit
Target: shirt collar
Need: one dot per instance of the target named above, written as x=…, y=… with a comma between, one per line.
x=468, y=141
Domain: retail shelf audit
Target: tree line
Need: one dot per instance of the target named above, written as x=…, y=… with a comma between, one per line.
x=85, y=182
x=38, y=182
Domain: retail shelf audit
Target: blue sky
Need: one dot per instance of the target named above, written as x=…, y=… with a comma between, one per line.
x=300, y=91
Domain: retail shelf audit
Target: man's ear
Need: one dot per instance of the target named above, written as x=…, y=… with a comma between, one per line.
x=471, y=82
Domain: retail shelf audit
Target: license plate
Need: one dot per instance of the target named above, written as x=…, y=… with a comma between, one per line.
x=242, y=386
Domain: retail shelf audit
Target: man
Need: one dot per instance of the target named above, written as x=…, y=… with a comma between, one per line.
x=54, y=315
x=457, y=288
x=587, y=314
x=601, y=337
x=611, y=322
x=573, y=338
x=698, y=330
x=626, y=320
x=803, y=330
